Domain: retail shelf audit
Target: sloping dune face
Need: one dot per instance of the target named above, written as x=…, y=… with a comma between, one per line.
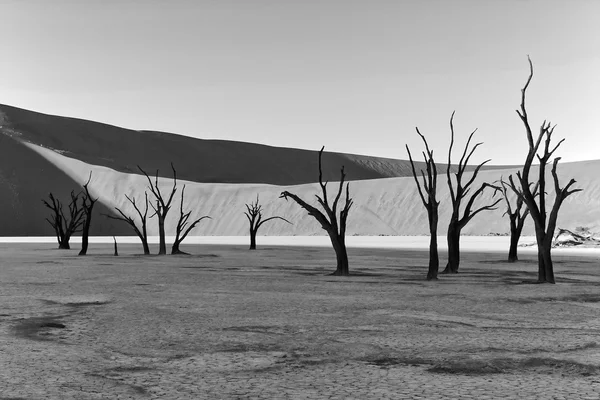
x=25, y=178
x=382, y=206
x=198, y=160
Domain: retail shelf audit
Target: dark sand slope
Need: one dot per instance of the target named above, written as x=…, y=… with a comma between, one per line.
x=214, y=161
x=197, y=160
x=26, y=178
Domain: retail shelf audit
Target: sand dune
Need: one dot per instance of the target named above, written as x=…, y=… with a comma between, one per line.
x=382, y=206
x=217, y=161
x=26, y=177
x=43, y=153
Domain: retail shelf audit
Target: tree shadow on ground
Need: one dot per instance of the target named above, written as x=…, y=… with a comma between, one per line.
x=38, y=328
x=541, y=365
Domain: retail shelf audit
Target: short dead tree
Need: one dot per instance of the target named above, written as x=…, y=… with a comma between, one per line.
x=87, y=203
x=517, y=216
x=544, y=224
x=116, y=248
x=430, y=203
x=458, y=193
x=64, y=226
x=182, y=229
x=141, y=232
x=254, y=215
x=162, y=207
x=329, y=222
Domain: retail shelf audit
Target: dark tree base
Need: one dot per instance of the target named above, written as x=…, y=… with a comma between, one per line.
x=340, y=273
x=449, y=271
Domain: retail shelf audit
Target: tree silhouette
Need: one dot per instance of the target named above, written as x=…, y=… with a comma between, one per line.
x=430, y=203
x=141, y=232
x=162, y=207
x=544, y=224
x=329, y=222
x=254, y=215
x=458, y=194
x=182, y=229
x=64, y=226
x=517, y=216
x=88, y=205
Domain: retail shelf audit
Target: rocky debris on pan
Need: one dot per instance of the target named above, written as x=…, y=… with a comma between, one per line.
x=582, y=236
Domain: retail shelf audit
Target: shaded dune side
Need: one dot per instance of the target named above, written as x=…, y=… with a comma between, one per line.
x=382, y=206
x=26, y=178
x=195, y=159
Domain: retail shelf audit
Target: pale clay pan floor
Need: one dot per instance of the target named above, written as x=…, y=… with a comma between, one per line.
x=227, y=323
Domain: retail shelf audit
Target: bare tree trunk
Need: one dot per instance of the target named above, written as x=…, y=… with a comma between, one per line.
x=145, y=246
x=548, y=274
x=515, y=235
x=453, y=249
x=64, y=244
x=175, y=248
x=85, y=235
x=253, y=239
x=512, y=251
x=545, y=267
x=341, y=255
x=434, y=260
x=88, y=207
x=162, y=249
x=116, y=249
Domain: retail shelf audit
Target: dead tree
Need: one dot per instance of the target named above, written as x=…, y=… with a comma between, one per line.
x=182, y=229
x=544, y=224
x=458, y=194
x=430, y=203
x=329, y=222
x=517, y=216
x=87, y=203
x=141, y=232
x=162, y=208
x=254, y=215
x=64, y=226
x=116, y=248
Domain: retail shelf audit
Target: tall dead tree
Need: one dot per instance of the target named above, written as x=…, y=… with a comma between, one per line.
x=64, y=226
x=544, y=224
x=254, y=215
x=182, y=229
x=87, y=203
x=430, y=203
x=162, y=207
x=517, y=216
x=329, y=222
x=458, y=193
x=141, y=232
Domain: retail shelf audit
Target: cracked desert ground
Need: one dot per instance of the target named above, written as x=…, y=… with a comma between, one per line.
x=227, y=323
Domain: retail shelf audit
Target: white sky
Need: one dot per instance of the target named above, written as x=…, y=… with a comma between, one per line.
x=355, y=76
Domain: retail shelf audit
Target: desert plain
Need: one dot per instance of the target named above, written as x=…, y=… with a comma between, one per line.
x=227, y=323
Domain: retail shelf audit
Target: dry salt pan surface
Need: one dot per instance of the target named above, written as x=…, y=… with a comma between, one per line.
x=227, y=323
